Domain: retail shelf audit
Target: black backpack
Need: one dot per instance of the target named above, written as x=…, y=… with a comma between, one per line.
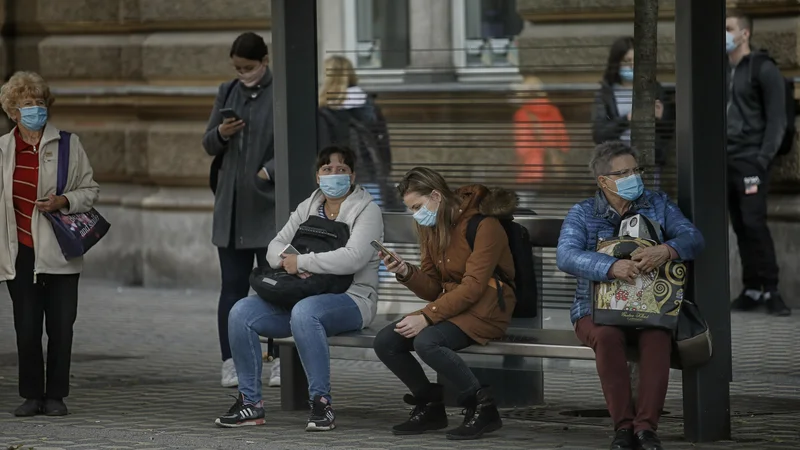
x=787, y=143
x=524, y=283
x=216, y=164
x=316, y=235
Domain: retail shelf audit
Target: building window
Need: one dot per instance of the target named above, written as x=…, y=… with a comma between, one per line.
x=488, y=33
x=381, y=34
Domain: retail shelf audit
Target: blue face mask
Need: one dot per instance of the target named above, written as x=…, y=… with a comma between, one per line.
x=334, y=186
x=626, y=73
x=425, y=217
x=630, y=188
x=33, y=117
x=730, y=43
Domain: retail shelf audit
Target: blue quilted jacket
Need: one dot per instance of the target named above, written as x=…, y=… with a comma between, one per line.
x=595, y=218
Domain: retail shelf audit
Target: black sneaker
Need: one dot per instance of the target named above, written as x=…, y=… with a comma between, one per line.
x=648, y=440
x=29, y=408
x=428, y=413
x=745, y=303
x=480, y=417
x=624, y=439
x=54, y=407
x=776, y=306
x=321, y=417
x=241, y=415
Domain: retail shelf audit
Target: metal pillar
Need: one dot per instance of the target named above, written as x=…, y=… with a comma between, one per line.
x=294, y=48
x=702, y=167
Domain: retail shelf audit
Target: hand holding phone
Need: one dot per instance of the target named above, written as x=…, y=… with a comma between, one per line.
x=231, y=123
x=229, y=113
x=289, y=250
x=393, y=263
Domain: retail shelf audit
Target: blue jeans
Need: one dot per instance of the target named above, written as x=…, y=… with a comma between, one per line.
x=311, y=321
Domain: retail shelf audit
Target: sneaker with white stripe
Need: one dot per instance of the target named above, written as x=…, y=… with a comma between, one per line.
x=242, y=415
x=321, y=417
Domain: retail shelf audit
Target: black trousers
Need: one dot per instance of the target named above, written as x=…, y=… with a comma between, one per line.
x=236, y=265
x=53, y=299
x=747, y=203
x=436, y=345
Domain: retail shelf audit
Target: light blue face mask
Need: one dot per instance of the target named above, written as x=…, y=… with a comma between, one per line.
x=626, y=73
x=730, y=42
x=425, y=217
x=33, y=118
x=630, y=188
x=334, y=186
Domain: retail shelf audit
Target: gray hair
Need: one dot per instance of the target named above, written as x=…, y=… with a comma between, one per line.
x=606, y=152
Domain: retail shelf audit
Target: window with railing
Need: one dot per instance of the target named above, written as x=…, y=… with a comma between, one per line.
x=485, y=33
x=381, y=33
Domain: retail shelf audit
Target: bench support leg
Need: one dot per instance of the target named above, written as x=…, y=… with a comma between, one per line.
x=513, y=384
x=294, y=385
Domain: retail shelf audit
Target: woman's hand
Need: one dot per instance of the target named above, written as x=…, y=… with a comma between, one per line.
x=394, y=264
x=289, y=263
x=651, y=258
x=53, y=203
x=411, y=326
x=229, y=127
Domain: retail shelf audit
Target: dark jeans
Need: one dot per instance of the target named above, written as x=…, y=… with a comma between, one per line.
x=436, y=345
x=748, y=211
x=609, y=344
x=53, y=299
x=236, y=265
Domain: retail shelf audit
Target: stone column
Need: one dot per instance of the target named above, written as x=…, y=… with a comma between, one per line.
x=430, y=37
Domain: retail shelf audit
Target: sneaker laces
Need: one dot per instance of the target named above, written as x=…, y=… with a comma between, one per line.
x=239, y=403
x=419, y=407
x=470, y=416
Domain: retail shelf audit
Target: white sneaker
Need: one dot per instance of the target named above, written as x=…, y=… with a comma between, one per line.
x=275, y=376
x=229, y=377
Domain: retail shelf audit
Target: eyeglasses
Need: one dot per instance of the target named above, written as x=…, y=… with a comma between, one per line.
x=626, y=172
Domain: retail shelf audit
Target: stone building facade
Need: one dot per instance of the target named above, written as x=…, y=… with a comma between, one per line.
x=136, y=79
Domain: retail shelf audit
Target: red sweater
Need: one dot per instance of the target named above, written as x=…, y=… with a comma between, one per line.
x=26, y=180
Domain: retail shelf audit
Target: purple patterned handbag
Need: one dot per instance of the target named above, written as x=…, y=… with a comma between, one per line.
x=76, y=233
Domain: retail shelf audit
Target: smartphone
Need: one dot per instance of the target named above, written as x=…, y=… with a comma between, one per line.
x=379, y=247
x=229, y=113
x=289, y=250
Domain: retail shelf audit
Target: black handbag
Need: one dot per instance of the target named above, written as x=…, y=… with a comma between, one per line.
x=693, y=342
x=316, y=235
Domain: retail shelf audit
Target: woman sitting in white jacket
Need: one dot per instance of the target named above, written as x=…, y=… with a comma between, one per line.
x=315, y=318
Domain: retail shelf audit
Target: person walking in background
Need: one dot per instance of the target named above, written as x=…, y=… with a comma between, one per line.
x=540, y=136
x=350, y=117
x=613, y=106
x=43, y=285
x=756, y=124
x=468, y=304
x=240, y=134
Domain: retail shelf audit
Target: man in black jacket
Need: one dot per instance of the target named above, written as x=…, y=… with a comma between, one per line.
x=757, y=121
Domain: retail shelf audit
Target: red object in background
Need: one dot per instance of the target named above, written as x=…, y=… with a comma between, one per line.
x=538, y=127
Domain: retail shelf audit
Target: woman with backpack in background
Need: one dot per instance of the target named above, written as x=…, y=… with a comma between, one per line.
x=468, y=303
x=350, y=117
x=240, y=137
x=613, y=106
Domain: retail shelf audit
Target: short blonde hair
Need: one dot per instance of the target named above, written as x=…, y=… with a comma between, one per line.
x=339, y=75
x=24, y=85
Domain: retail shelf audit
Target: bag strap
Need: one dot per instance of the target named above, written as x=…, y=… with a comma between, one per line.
x=63, y=161
x=472, y=231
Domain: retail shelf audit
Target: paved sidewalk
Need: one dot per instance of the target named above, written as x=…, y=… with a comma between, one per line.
x=146, y=372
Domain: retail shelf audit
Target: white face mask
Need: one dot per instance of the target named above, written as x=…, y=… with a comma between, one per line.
x=252, y=78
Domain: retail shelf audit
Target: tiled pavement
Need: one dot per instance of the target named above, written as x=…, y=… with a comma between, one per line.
x=146, y=369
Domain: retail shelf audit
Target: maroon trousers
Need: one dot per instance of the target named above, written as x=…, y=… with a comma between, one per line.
x=609, y=345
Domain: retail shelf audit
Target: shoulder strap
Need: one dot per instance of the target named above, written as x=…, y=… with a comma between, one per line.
x=63, y=161
x=229, y=91
x=472, y=229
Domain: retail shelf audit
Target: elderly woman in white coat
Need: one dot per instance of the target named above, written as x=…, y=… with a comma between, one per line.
x=43, y=285
x=315, y=318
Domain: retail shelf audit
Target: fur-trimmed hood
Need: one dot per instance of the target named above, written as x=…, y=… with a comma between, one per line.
x=495, y=202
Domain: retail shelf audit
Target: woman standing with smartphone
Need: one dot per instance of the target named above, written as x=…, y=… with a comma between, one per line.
x=240, y=136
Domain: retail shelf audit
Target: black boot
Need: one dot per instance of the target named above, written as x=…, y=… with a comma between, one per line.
x=480, y=417
x=30, y=407
x=648, y=440
x=624, y=439
x=775, y=304
x=428, y=413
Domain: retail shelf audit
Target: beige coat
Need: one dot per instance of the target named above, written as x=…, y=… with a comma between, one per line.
x=81, y=191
